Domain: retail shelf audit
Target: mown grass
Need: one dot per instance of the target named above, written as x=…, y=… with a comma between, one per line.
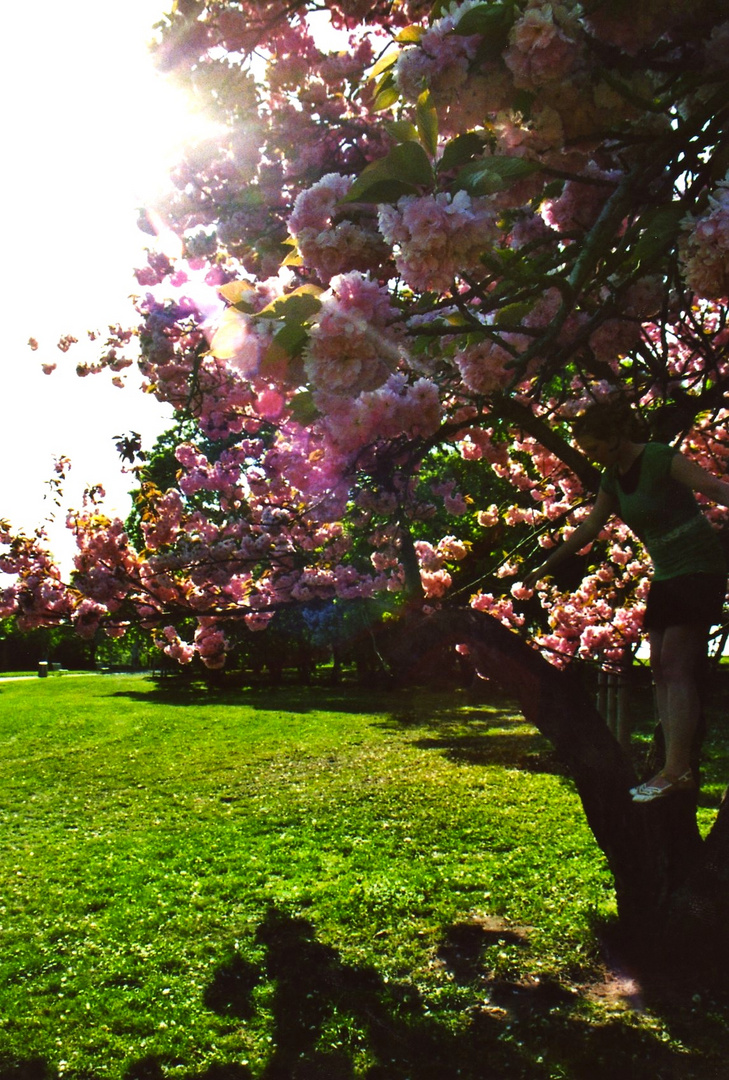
x=308, y=884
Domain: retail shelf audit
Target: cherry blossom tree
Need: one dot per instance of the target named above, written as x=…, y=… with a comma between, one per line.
x=426, y=235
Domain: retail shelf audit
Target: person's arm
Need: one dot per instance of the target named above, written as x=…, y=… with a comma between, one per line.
x=705, y=483
x=602, y=511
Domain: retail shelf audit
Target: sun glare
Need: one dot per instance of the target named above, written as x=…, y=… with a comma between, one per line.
x=91, y=133
x=95, y=131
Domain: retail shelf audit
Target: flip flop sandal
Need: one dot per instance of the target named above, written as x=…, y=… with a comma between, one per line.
x=650, y=792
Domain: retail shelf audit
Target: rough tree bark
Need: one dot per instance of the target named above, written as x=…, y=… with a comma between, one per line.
x=672, y=887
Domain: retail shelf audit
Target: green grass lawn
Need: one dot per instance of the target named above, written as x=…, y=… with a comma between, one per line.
x=309, y=884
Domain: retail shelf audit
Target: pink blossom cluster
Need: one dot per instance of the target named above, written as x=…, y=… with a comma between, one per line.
x=226, y=476
x=397, y=408
x=529, y=229
x=644, y=297
x=489, y=517
x=106, y=562
x=485, y=366
x=87, y=618
x=157, y=269
x=501, y=607
x=578, y=207
x=603, y=616
x=717, y=47
x=453, y=500
x=477, y=442
x=439, y=62
x=436, y=237
x=210, y=643
x=330, y=241
x=355, y=341
x=542, y=135
x=543, y=47
x=704, y=247
x=165, y=527
x=173, y=646
x=615, y=338
x=434, y=576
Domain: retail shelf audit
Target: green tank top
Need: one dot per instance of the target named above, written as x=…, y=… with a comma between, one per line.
x=665, y=516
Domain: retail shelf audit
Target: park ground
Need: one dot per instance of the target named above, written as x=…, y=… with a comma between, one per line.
x=317, y=884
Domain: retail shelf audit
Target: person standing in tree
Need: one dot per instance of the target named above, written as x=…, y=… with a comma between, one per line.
x=651, y=486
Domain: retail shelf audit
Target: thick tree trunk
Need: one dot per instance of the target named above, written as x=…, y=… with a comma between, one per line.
x=672, y=888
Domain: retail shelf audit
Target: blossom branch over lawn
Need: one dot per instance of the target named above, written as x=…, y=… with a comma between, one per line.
x=401, y=269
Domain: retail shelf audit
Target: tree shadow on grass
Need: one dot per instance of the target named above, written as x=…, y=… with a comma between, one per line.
x=149, y=1067
x=335, y=1021
x=511, y=750
x=403, y=705
x=330, y=1020
x=479, y=737
x=293, y=699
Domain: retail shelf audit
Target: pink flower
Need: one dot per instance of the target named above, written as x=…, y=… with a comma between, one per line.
x=704, y=248
x=452, y=549
x=435, y=583
x=614, y=338
x=258, y=620
x=539, y=49
x=455, y=504
x=354, y=343
x=428, y=557
x=331, y=243
x=166, y=525
x=439, y=62
x=270, y=404
x=435, y=237
x=87, y=618
x=520, y=592
x=211, y=643
x=489, y=517
x=484, y=367
x=579, y=205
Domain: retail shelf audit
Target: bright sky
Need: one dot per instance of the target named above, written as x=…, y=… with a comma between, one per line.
x=90, y=131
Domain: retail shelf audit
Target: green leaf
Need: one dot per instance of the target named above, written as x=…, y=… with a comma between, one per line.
x=386, y=93
x=461, y=149
x=410, y=163
x=427, y=119
x=295, y=307
x=384, y=64
x=511, y=316
x=293, y=259
x=229, y=334
x=410, y=34
x=486, y=19
x=553, y=189
x=302, y=407
x=384, y=191
x=489, y=175
x=235, y=292
x=402, y=130
x=660, y=229
x=385, y=100
x=403, y=170
x=291, y=338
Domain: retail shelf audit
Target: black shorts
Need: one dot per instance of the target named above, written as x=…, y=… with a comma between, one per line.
x=691, y=598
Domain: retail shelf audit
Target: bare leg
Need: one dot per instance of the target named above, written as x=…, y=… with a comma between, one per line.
x=624, y=722
x=676, y=654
